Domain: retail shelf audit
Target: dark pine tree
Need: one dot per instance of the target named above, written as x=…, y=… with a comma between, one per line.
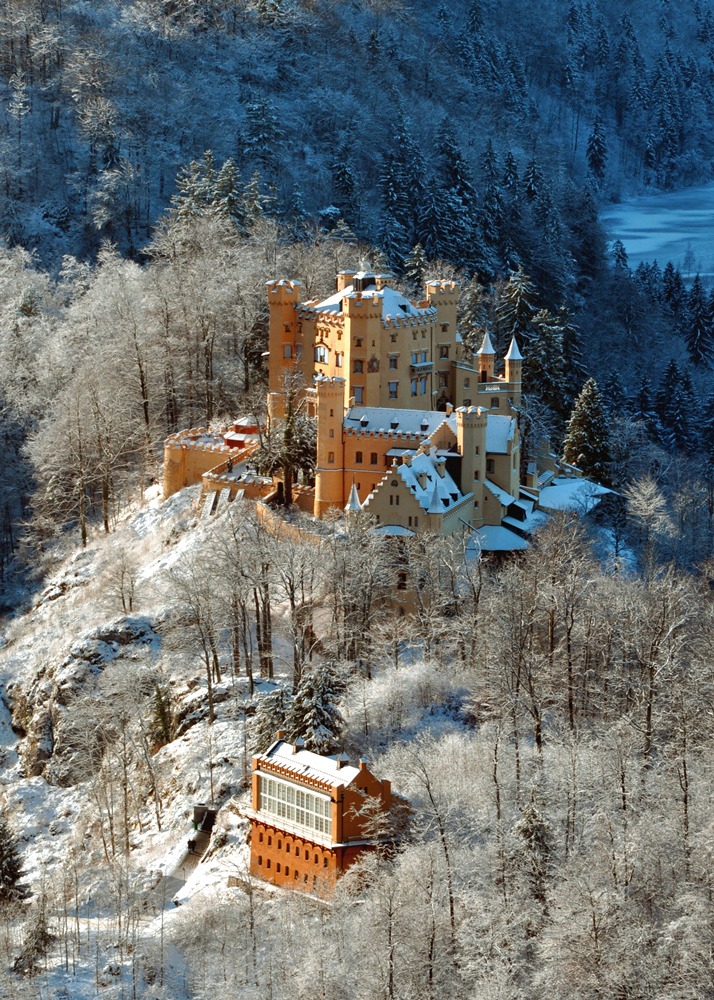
x=11, y=870
x=586, y=439
x=698, y=333
x=596, y=151
x=674, y=290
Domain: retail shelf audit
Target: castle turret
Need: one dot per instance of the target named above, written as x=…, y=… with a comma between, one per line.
x=329, y=472
x=486, y=357
x=514, y=368
x=283, y=297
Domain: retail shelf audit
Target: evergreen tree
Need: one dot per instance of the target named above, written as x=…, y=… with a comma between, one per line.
x=596, y=151
x=674, y=290
x=707, y=429
x=262, y=135
x=415, y=269
x=543, y=366
x=586, y=440
x=533, y=180
x=698, y=333
x=644, y=410
x=678, y=432
x=619, y=255
x=515, y=310
x=270, y=716
x=344, y=182
x=10, y=866
x=314, y=716
x=226, y=199
x=510, y=173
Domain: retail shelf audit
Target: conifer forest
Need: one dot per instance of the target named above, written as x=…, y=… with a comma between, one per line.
x=545, y=717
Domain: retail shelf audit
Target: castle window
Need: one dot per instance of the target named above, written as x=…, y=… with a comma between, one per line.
x=321, y=354
x=393, y=337
x=260, y=836
x=358, y=457
x=358, y=367
x=297, y=874
x=287, y=328
x=393, y=389
x=324, y=862
x=414, y=335
x=393, y=360
x=270, y=841
x=495, y=402
x=331, y=457
x=339, y=358
x=358, y=341
x=467, y=402
x=490, y=465
x=332, y=432
x=476, y=474
x=373, y=458
x=287, y=351
x=444, y=327
x=423, y=357
x=422, y=385
x=267, y=863
x=260, y=860
x=316, y=859
x=443, y=380
x=299, y=352
x=416, y=522
x=414, y=387
x=287, y=872
x=277, y=868
x=287, y=851
x=477, y=450
x=280, y=845
x=467, y=383
x=415, y=356
x=359, y=395
x=443, y=352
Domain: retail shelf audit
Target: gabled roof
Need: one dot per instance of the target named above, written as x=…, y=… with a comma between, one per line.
x=435, y=493
x=306, y=764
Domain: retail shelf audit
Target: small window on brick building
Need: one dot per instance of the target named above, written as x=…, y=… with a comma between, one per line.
x=467, y=383
x=490, y=465
x=287, y=848
x=358, y=367
x=331, y=458
x=316, y=859
x=332, y=430
x=260, y=837
x=495, y=402
x=280, y=845
x=324, y=862
x=297, y=875
x=443, y=352
x=373, y=458
x=267, y=863
x=358, y=341
x=277, y=868
x=358, y=457
x=287, y=872
x=260, y=860
x=287, y=351
x=393, y=360
x=270, y=841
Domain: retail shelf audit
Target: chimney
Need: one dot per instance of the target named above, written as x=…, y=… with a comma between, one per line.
x=363, y=764
x=449, y=409
x=280, y=735
x=342, y=761
x=298, y=745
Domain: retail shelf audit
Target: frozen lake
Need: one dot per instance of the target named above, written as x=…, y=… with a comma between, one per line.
x=678, y=226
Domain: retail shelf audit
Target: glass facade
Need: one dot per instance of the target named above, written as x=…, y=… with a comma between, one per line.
x=294, y=805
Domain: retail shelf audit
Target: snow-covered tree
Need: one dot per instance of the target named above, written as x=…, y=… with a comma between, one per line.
x=271, y=715
x=11, y=870
x=586, y=439
x=314, y=715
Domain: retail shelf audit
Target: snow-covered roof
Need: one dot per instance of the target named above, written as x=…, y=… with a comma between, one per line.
x=394, y=530
x=487, y=346
x=381, y=418
x=579, y=495
x=394, y=304
x=514, y=353
x=435, y=493
x=306, y=764
x=500, y=431
x=496, y=538
x=505, y=498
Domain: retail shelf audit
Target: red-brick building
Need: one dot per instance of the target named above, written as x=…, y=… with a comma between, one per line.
x=308, y=822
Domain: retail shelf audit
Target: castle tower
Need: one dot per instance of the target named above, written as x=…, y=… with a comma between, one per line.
x=329, y=471
x=471, y=424
x=444, y=295
x=363, y=326
x=514, y=369
x=283, y=341
x=486, y=357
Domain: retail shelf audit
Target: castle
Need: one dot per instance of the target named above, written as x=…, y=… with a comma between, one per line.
x=409, y=428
